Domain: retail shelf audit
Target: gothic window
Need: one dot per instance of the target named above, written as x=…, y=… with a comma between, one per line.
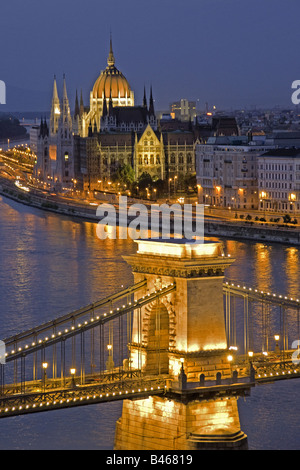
x=157, y=160
x=173, y=159
x=151, y=160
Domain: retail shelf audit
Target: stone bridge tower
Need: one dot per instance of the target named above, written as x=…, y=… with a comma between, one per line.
x=182, y=332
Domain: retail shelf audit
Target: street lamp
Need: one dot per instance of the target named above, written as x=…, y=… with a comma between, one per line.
x=277, y=338
x=110, y=362
x=44, y=365
x=175, y=178
x=170, y=179
x=73, y=371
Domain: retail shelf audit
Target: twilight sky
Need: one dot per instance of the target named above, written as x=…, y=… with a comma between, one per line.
x=230, y=53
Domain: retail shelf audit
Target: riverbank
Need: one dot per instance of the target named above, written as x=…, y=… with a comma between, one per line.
x=249, y=231
x=47, y=202
x=212, y=227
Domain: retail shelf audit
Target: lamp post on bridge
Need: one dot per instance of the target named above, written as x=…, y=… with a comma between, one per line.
x=44, y=365
x=110, y=362
x=277, y=338
x=73, y=371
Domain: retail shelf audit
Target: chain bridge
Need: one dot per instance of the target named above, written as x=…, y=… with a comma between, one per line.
x=181, y=340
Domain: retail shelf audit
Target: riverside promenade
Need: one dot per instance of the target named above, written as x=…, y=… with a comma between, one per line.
x=214, y=225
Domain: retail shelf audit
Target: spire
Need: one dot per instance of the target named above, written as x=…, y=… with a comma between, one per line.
x=65, y=95
x=55, y=94
x=46, y=130
x=104, y=108
x=145, y=99
x=151, y=104
x=41, y=128
x=81, y=105
x=66, y=120
x=55, y=109
x=111, y=58
x=76, y=112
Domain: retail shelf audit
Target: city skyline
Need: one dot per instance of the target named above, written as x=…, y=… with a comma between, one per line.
x=230, y=55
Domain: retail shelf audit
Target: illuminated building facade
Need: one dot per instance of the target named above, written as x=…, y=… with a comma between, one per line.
x=182, y=331
x=110, y=89
x=279, y=180
x=90, y=145
x=55, y=146
x=184, y=110
x=226, y=169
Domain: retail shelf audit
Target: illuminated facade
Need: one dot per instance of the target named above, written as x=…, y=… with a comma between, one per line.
x=227, y=174
x=89, y=146
x=183, y=330
x=55, y=150
x=279, y=181
x=183, y=110
x=110, y=88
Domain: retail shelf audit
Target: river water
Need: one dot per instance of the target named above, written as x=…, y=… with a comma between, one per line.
x=50, y=265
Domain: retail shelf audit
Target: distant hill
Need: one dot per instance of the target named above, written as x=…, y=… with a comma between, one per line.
x=10, y=127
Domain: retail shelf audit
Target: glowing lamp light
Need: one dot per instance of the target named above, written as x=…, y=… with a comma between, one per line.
x=276, y=337
x=250, y=353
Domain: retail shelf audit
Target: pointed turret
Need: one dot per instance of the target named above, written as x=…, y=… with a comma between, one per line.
x=55, y=109
x=81, y=108
x=145, y=99
x=41, y=128
x=76, y=111
x=66, y=120
x=111, y=57
x=46, y=129
x=104, y=108
x=151, y=104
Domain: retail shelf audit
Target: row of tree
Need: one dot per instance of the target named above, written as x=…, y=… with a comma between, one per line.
x=125, y=177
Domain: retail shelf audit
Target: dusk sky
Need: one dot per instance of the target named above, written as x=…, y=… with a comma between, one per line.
x=229, y=53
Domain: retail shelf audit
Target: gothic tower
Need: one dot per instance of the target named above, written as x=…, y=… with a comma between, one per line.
x=55, y=110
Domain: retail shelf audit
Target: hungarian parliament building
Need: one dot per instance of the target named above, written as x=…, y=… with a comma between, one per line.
x=89, y=145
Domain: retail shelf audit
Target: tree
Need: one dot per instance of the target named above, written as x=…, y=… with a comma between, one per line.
x=124, y=175
x=145, y=180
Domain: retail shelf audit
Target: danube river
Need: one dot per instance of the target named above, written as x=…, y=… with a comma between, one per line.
x=51, y=265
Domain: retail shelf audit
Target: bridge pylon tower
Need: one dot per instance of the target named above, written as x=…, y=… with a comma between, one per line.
x=181, y=335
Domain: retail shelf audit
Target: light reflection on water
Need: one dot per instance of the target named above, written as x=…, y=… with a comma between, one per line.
x=50, y=265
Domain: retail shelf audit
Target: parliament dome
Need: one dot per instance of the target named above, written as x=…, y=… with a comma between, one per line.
x=111, y=82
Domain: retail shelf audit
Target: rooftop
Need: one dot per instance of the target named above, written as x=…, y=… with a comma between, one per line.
x=289, y=152
x=180, y=248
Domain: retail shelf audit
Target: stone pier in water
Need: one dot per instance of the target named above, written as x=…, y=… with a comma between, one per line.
x=182, y=336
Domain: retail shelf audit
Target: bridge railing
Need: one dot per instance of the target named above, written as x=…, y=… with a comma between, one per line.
x=93, y=345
